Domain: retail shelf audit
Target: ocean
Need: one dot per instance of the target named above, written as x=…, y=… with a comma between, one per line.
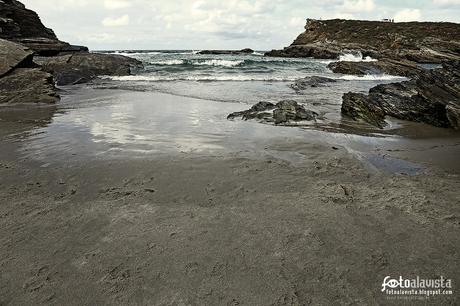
x=233, y=78
x=247, y=79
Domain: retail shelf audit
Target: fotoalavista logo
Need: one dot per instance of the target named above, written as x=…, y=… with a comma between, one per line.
x=417, y=286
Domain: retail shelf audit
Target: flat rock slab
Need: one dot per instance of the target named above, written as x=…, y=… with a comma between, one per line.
x=28, y=85
x=13, y=55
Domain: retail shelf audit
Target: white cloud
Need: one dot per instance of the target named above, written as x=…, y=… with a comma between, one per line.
x=354, y=6
x=408, y=15
x=116, y=22
x=446, y=3
x=116, y=4
x=212, y=24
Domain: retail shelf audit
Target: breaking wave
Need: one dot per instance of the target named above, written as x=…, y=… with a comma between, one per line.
x=372, y=77
x=236, y=78
x=356, y=57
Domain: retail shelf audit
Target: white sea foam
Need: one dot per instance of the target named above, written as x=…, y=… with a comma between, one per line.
x=153, y=78
x=372, y=77
x=168, y=62
x=136, y=53
x=357, y=57
x=218, y=62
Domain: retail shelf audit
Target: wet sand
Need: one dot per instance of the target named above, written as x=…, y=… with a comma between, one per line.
x=101, y=204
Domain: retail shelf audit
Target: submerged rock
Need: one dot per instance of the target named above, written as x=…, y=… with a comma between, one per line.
x=313, y=81
x=27, y=86
x=433, y=97
x=83, y=67
x=224, y=52
x=281, y=113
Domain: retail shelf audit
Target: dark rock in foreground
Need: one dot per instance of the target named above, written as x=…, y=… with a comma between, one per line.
x=359, y=107
x=281, y=113
x=13, y=55
x=313, y=81
x=82, y=67
x=432, y=97
x=226, y=52
x=27, y=86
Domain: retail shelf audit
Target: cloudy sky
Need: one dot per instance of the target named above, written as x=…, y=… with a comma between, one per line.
x=215, y=24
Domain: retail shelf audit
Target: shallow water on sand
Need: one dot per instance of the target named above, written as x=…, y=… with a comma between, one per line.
x=102, y=123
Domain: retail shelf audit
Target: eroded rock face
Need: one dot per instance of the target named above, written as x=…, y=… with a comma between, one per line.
x=28, y=86
x=432, y=97
x=19, y=24
x=422, y=42
x=83, y=67
x=281, y=113
x=384, y=66
x=13, y=55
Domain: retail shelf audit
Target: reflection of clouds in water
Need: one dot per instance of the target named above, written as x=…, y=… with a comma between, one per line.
x=117, y=127
x=152, y=122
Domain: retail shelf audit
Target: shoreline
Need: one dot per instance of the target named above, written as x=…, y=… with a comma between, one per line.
x=260, y=225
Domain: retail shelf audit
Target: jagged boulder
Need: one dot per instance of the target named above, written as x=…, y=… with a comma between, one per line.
x=27, y=86
x=13, y=55
x=281, y=113
x=433, y=97
x=361, y=108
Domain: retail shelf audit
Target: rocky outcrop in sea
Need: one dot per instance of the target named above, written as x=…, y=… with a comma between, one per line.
x=430, y=96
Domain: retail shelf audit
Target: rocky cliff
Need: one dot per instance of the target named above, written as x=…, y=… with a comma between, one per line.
x=422, y=42
x=33, y=59
x=19, y=24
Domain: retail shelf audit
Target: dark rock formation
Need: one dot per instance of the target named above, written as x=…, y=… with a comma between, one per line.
x=315, y=51
x=27, y=85
x=82, y=67
x=224, y=52
x=432, y=97
x=359, y=107
x=313, y=81
x=13, y=55
x=24, y=26
x=281, y=113
x=20, y=79
x=385, y=66
x=20, y=82
x=422, y=42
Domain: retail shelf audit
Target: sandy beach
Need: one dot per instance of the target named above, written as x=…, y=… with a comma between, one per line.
x=215, y=212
